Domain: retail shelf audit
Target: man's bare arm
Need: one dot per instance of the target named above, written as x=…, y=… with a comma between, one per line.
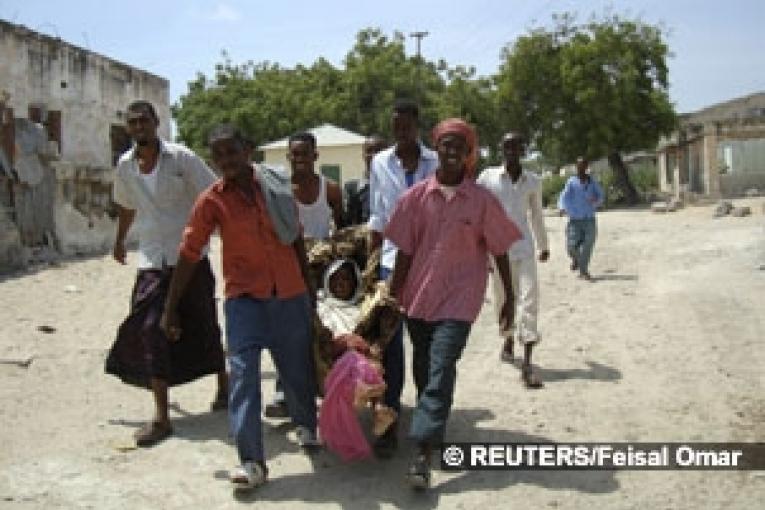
x=124, y=221
x=335, y=199
x=507, y=312
x=400, y=273
x=299, y=246
x=182, y=274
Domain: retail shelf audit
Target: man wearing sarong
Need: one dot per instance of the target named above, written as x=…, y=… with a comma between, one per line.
x=155, y=186
x=445, y=227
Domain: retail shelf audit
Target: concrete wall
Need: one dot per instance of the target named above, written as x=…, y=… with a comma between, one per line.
x=742, y=156
x=348, y=157
x=80, y=97
x=83, y=209
x=90, y=90
x=736, y=185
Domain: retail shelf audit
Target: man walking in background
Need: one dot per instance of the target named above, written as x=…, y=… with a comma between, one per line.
x=520, y=193
x=580, y=199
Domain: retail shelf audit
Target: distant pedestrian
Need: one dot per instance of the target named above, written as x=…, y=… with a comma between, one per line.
x=580, y=199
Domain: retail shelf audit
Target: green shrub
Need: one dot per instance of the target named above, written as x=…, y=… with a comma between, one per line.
x=643, y=176
x=551, y=188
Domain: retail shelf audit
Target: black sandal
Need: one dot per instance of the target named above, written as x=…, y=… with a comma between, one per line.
x=418, y=474
x=530, y=379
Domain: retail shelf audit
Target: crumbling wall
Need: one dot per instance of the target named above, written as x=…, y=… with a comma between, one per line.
x=91, y=91
x=13, y=255
x=84, y=212
x=59, y=99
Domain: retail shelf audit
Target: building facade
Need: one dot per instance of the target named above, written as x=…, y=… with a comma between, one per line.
x=62, y=129
x=717, y=151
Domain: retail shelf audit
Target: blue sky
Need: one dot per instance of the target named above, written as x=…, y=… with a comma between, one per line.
x=717, y=46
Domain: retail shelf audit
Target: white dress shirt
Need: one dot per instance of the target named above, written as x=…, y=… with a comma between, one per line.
x=161, y=214
x=387, y=182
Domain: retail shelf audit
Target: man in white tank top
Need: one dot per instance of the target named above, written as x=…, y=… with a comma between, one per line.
x=319, y=199
x=320, y=202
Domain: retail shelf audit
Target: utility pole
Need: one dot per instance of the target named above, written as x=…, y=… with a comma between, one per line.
x=419, y=35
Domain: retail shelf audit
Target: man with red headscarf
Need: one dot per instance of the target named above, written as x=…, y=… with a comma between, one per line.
x=444, y=228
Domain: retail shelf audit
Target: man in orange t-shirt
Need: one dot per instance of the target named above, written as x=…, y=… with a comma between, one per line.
x=267, y=300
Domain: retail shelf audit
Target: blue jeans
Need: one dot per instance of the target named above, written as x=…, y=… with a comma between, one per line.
x=437, y=346
x=393, y=362
x=580, y=238
x=283, y=327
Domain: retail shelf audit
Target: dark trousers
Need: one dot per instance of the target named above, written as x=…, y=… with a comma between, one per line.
x=580, y=239
x=283, y=327
x=393, y=362
x=437, y=346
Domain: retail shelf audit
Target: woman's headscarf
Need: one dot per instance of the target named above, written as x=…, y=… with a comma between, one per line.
x=465, y=130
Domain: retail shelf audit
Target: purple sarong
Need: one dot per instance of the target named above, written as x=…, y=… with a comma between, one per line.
x=142, y=351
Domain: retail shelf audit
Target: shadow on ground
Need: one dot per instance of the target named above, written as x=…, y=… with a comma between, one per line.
x=374, y=483
x=594, y=372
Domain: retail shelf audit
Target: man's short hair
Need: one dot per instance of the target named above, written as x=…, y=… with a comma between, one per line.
x=302, y=136
x=142, y=105
x=407, y=106
x=227, y=132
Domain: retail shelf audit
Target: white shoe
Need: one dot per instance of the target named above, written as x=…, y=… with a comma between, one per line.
x=249, y=475
x=306, y=437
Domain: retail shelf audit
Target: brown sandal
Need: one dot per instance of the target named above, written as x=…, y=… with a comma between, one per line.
x=152, y=433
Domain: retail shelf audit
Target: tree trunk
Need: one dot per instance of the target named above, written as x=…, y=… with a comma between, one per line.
x=622, y=178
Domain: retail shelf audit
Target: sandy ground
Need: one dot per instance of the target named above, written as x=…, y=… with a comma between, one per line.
x=666, y=345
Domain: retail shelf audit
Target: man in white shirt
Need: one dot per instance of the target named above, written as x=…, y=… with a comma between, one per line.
x=393, y=171
x=155, y=187
x=520, y=193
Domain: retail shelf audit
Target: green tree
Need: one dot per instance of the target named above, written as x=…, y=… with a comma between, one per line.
x=265, y=99
x=473, y=99
x=270, y=101
x=597, y=89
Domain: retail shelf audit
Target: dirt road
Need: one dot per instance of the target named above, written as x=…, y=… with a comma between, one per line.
x=668, y=344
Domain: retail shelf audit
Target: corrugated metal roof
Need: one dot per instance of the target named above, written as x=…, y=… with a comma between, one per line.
x=326, y=135
x=740, y=108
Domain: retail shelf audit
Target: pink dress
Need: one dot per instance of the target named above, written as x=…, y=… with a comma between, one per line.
x=338, y=422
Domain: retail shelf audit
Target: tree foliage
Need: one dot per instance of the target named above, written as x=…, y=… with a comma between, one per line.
x=596, y=89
